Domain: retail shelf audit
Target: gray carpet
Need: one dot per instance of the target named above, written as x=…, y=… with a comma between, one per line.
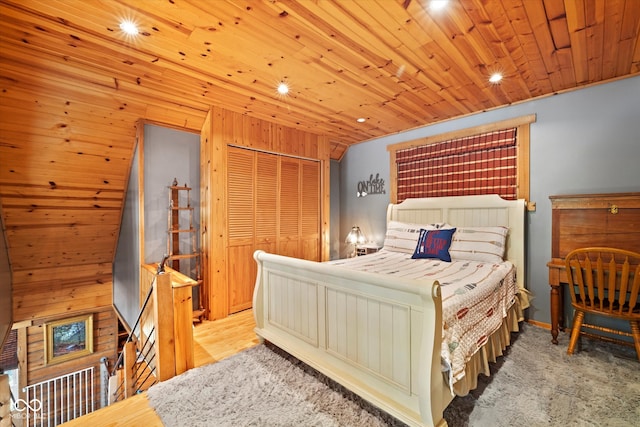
x=534, y=384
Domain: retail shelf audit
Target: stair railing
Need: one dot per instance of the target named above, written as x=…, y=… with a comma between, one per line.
x=125, y=378
x=160, y=344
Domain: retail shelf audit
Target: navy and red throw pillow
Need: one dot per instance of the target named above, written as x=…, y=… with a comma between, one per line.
x=434, y=244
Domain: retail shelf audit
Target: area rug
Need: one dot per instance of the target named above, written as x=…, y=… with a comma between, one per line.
x=537, y=384
x=533, y=384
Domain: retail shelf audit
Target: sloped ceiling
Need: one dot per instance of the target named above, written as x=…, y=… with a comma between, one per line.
x=74, y=85
x=396, y=63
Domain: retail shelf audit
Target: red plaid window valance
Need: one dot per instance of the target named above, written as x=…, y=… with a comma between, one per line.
x=471, y=165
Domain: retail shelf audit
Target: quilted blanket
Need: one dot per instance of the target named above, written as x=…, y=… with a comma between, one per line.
x=475, y=295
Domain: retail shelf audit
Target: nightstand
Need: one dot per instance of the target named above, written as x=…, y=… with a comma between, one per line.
x=367, y=248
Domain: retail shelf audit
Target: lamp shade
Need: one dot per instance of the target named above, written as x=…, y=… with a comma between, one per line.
x=355, y=236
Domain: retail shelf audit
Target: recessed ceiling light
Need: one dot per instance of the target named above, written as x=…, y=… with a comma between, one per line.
x=283, y=88
x=361, y=120
x=129, y=27
x=495, y=78
x=438, y=4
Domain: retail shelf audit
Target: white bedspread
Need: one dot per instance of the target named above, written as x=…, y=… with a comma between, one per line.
x=475, y=295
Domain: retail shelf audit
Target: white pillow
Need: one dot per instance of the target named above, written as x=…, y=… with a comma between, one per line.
x=403, y=236
x=485, y=244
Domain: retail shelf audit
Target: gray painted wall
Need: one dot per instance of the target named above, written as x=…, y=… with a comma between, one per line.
x=584, y=141
x=126, y=270
x=168, y=154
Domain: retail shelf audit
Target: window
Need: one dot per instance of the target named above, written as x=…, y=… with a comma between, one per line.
x=489, y=159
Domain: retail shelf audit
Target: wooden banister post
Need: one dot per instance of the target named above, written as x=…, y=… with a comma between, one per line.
x=5, y=401
x=183, y=326
x=130, y=357
x=164, y=330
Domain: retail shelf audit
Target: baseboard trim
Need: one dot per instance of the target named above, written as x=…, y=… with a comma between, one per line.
x=539, y=324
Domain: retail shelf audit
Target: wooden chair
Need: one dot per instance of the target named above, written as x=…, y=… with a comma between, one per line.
x=606, y=282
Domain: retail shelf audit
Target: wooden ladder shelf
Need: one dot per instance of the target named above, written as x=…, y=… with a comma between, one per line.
x=181, y=222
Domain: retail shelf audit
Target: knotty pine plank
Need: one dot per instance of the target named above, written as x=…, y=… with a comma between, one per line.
x=452, y=80
x=21, y=216
x=458, y=51
x=215, y=242
x=53, y=253
x=20, y=140
x=59, y=123
x=459, y=22
x=526, y=39
x=538, y=19
x=612, y=29
x=58, y=175
x=381, y=85
x=45, y=33
x=68, y=305
x=148, y=75
x=91, y=164
x=42, y=258
x=36, y=295
x=556, y=14
x=558, y=27
x=113, y=110
x=79, y=274
x=513, y=86
x=175, y=115
x=576, y=23
x=508, y=35
x=50, y=162
x=595, y=38
x=57, y=194
x=59, y=221
x=239, y=129
x=53, y=72
x=433, y=85
x=34, y=236
x=420, y=68
x=63, y=304
x=628, y=49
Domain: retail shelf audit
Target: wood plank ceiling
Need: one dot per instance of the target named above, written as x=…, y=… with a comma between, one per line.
x=74, y=85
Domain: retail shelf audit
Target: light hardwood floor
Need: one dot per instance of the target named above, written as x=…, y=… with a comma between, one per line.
x=214, y=341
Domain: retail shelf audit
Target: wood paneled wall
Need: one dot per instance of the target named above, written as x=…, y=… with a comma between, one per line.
x=222, y=129
x=65, y=156
x=104, y=345
x=40, y=293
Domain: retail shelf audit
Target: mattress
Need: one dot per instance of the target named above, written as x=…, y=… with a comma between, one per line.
x=475, y=296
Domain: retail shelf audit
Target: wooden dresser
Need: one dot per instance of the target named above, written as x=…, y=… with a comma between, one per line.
x=582, y=220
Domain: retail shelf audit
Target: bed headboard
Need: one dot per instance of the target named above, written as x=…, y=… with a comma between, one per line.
x=470, y=211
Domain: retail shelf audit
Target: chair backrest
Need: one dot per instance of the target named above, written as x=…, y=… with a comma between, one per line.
x=605, y=280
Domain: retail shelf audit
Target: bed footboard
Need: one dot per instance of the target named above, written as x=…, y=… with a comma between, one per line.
x=380, y=340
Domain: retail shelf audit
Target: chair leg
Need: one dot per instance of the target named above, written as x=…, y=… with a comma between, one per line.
x=575, y=331
x=635, y=331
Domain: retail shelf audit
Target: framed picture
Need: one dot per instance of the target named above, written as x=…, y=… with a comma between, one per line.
x=68, y=339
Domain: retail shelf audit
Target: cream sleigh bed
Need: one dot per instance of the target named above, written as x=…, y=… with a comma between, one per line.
x=381, y=337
